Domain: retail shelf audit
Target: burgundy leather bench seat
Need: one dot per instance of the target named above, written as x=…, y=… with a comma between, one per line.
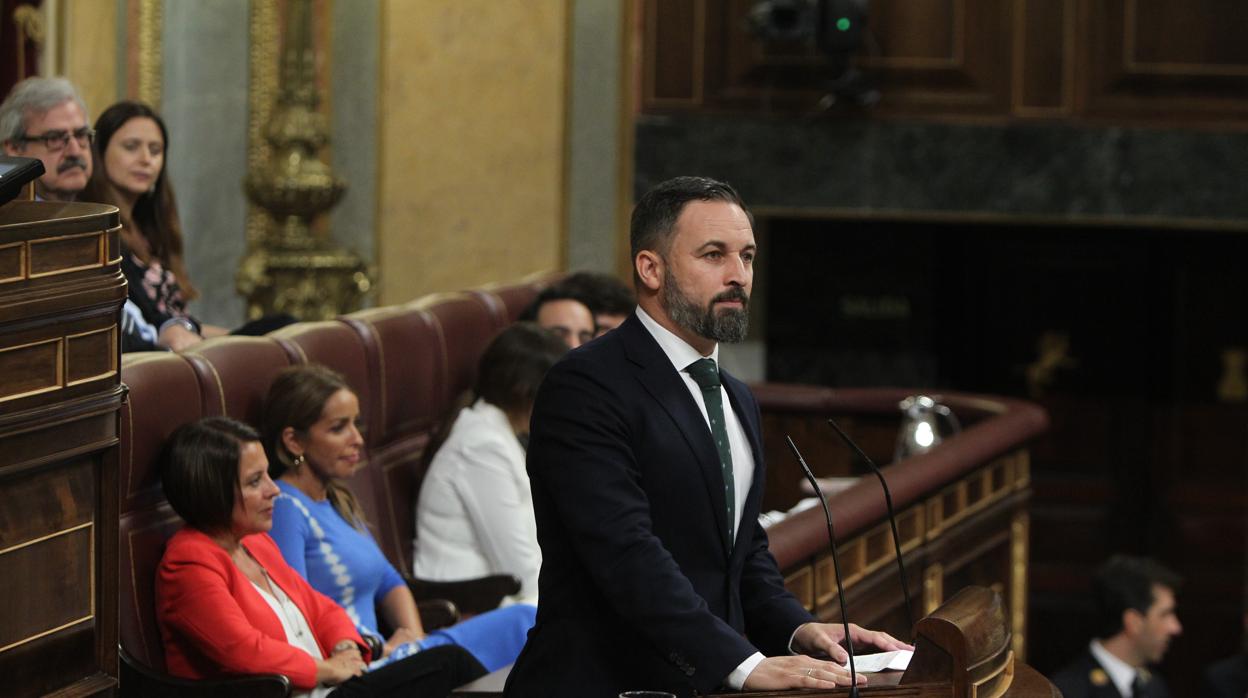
x=408, y=364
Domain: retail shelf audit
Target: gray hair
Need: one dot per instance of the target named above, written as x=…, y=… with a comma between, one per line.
x=34, y=96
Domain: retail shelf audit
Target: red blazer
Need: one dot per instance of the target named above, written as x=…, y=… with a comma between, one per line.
x=215, y=623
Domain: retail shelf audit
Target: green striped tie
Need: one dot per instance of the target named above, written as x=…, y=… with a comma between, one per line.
x=706, y=375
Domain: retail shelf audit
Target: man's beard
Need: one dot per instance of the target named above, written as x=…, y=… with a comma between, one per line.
x=725, y=326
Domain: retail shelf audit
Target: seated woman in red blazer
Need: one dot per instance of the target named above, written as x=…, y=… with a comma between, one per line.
x=228, y=603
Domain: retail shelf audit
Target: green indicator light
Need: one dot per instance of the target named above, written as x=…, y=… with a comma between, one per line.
x=843, y=24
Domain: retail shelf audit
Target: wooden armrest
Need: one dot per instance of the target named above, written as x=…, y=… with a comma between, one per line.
x=139, y=680
x=437, y=613
x=471, y=596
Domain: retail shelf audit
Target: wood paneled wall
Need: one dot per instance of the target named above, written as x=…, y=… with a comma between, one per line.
x=1120, y=60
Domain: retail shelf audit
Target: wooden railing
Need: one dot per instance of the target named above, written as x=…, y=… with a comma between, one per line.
x=961, y=508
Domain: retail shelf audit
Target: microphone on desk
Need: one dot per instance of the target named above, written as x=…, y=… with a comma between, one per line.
x=836, y=565
x=892, y=517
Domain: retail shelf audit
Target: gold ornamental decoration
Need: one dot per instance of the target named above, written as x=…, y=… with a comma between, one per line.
x=150, y=42
x=30, y=27
x=292, y=266
x=264, y=55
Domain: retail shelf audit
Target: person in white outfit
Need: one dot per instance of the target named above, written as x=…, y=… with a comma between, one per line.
x=474, y=516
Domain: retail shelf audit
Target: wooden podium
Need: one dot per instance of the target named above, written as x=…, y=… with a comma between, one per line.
x=61, y=293
x=961, y=650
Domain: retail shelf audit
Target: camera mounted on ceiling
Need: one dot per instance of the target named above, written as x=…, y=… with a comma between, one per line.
x=835, y=27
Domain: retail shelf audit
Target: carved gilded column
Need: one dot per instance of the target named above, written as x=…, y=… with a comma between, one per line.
x=291, y=266
x=265, y=39
x=30, y=28
x=148, y=82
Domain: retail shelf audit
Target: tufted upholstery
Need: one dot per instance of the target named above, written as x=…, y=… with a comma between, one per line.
x=409, y=368
x=234, y=373
x=164, y=393
x=465, y=323
x=412, y=396
x=143, y=537
x=338, y=346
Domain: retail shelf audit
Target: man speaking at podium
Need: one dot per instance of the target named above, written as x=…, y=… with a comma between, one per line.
x=646, y=469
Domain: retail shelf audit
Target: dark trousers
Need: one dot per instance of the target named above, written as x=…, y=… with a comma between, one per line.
x=431, y=673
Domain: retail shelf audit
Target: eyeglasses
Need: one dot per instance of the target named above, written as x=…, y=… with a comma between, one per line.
x=55, y=141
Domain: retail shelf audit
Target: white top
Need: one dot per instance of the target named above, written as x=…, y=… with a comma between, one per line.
x=1121, y=673
x=474, y=516
x=681, y=355
x=298, y=632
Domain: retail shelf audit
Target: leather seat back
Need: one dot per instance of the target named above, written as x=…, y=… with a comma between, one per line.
x=164, y=392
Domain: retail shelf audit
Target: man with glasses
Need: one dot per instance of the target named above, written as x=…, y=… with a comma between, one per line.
x=45, y=118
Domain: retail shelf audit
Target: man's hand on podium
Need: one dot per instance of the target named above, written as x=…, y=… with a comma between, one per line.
x=825, y=639
x=797, y=671
x=800, y=671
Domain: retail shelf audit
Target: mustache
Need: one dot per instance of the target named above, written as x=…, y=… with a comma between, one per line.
x=736, y=293
x=70, y=162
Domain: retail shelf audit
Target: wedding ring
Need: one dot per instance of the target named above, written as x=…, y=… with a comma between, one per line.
x=810, y=672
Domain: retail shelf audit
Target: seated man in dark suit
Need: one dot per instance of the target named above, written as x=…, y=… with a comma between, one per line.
x=645, y=463
x=1135, y=615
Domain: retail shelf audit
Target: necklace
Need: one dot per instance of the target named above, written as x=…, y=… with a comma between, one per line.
x=293, y=615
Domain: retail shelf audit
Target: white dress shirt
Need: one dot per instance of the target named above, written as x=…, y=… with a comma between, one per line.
x=681, y=355
x=1121, y=673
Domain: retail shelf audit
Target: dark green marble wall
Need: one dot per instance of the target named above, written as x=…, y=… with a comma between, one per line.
x=1035, y=169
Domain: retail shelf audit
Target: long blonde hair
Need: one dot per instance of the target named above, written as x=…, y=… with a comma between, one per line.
x=296, y=399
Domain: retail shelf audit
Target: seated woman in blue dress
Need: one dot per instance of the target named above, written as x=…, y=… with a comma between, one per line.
x=309, y=432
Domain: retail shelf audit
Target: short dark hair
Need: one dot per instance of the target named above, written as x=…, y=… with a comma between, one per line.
x=199, y=470
x=514, y=364
x=654, y=216
x=557, y=291
x=1126, y=582
x=603, y=293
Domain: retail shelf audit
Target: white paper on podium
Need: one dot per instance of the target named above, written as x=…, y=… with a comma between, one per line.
x=896, y=660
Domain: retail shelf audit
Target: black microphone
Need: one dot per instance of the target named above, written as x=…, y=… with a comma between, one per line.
x=836, y=565
x=892, y=518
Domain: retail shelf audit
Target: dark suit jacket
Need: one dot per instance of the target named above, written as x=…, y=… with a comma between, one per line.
x=1082, y=679
x=1227, y=678
x=639, y=587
